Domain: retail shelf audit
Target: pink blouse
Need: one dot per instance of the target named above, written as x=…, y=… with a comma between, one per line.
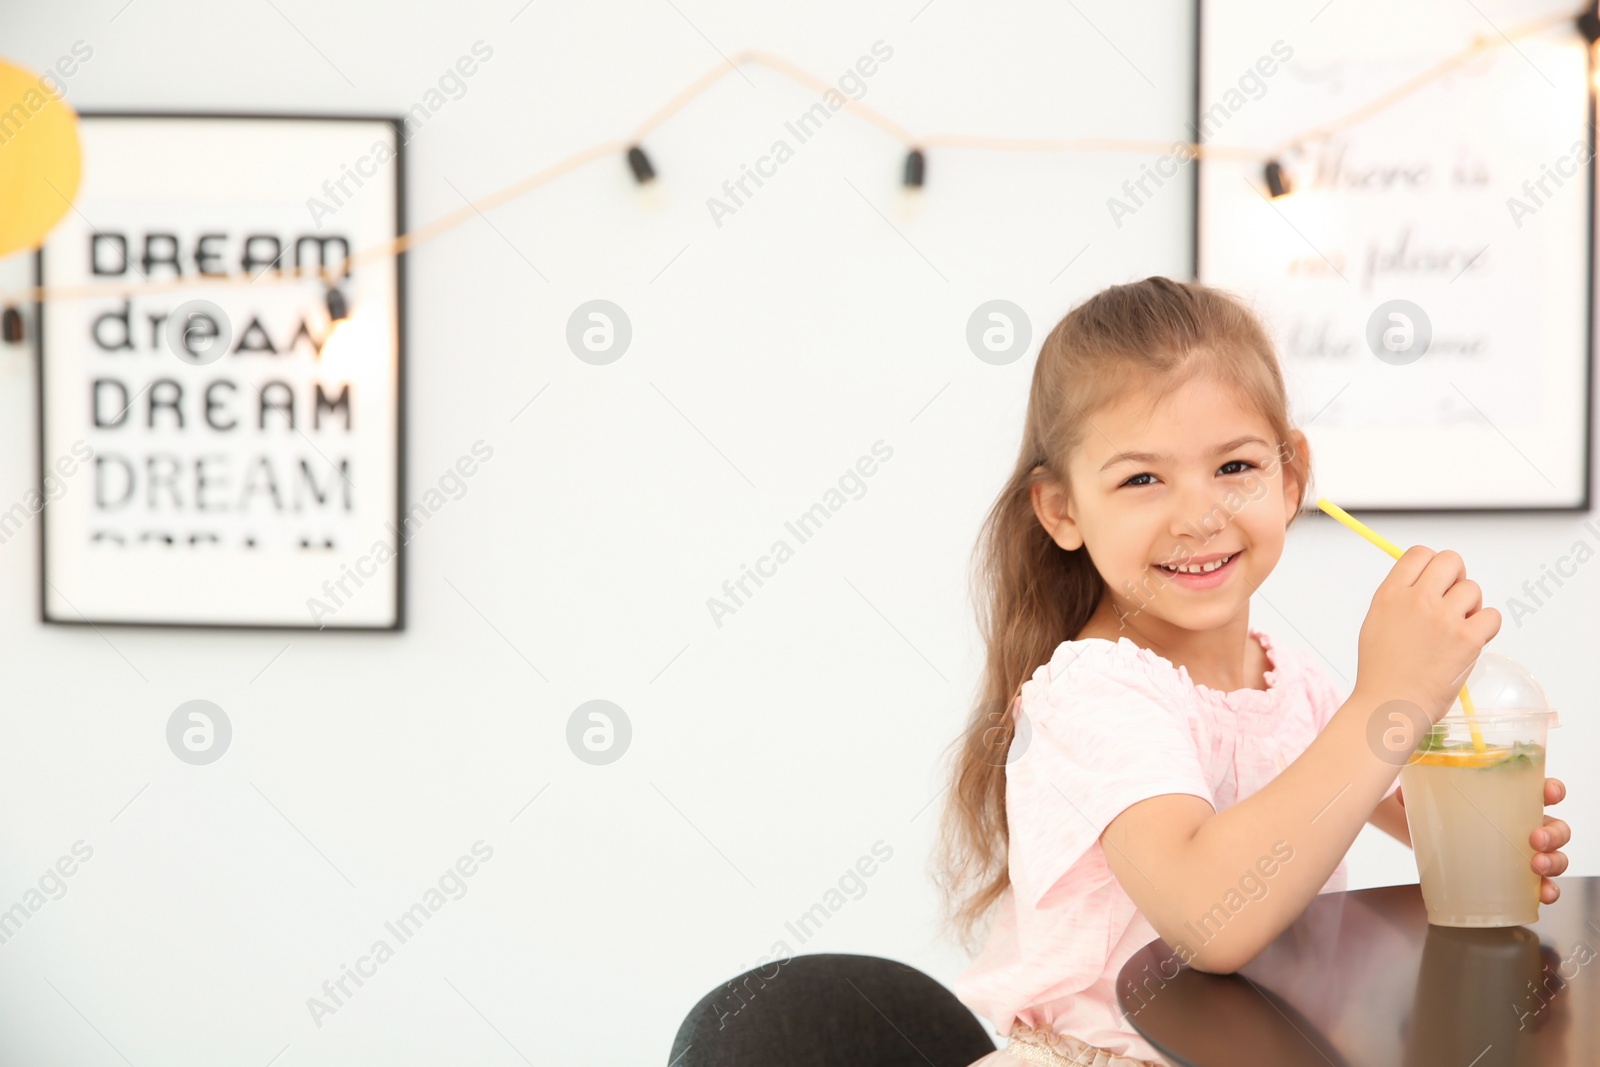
x=1102, y=726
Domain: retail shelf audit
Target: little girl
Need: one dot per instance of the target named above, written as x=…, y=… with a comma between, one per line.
x=1142, y=761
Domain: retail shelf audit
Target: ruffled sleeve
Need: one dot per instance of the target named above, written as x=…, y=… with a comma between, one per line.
x=1103, y=734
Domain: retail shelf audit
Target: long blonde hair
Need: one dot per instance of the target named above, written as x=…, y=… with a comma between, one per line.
x=1148, y=337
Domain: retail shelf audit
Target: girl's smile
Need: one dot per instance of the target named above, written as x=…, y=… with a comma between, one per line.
x=1197, y=575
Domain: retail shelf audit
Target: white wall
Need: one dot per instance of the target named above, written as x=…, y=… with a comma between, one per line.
x=769, y=753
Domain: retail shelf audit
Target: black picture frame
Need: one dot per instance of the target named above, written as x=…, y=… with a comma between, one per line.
x=1584, y=504
x=397, y=125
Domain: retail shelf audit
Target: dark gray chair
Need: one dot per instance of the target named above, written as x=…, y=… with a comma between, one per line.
x=830, y=1010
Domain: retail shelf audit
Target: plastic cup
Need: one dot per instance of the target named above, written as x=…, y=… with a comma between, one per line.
x=1470, y=811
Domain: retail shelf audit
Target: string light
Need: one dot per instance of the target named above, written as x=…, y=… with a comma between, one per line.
x=338, y=308
x=911, y=197
x=639, y=163
x=651, y=189
x=11, y=326
x=1277, y=180
x=651, y=194
x=916, y=168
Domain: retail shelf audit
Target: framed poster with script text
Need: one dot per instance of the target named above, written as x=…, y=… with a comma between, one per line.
x=1426, y=276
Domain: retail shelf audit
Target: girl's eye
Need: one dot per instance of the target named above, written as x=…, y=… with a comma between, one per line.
x=1224, y=468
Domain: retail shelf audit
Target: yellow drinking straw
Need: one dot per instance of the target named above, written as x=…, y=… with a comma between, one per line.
x=1389, y=546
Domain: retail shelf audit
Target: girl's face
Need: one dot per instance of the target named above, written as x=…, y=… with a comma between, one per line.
x=1196, y=480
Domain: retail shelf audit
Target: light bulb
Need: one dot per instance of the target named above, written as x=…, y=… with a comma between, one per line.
x=652, y=197
x=908, y=205
x=1278, y=184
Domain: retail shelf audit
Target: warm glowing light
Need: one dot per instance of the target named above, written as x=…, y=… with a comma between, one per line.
x=357, y=348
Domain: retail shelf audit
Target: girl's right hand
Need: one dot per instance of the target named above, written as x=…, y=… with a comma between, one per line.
x=1423, y=632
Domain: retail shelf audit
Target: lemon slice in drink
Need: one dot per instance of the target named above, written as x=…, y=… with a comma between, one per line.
x=1466, y=756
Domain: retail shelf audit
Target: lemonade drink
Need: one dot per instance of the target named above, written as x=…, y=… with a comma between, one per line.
x=1470, y=811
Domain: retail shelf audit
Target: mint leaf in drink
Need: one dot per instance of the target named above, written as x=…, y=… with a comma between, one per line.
x=1434, y=739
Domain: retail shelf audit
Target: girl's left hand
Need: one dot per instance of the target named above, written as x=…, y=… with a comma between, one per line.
x=1547, y=860
x=1547, y=840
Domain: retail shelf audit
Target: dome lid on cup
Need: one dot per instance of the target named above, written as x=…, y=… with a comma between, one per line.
x=1500, y=685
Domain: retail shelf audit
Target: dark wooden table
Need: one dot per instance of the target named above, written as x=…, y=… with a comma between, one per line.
x=1362, y=980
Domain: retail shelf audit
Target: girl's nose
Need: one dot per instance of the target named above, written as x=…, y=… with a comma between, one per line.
x=1198, y=507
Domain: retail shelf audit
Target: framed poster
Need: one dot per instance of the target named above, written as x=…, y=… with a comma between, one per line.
x=1426, y=274
x=220, y=429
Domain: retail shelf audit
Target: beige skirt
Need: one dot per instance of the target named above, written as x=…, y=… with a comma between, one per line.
x=1046, y=1049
